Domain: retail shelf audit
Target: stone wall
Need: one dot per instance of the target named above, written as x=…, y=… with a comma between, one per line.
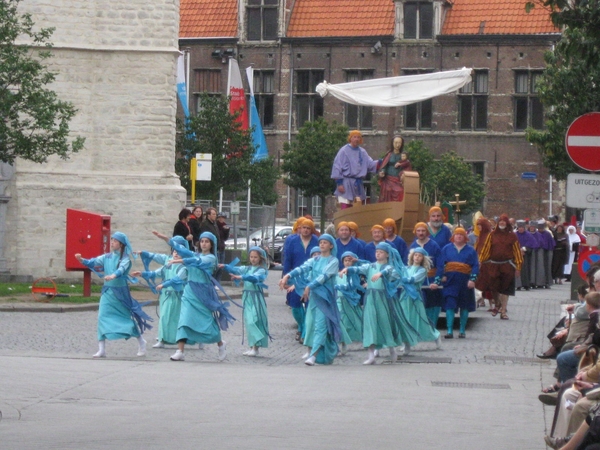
x=116, y=62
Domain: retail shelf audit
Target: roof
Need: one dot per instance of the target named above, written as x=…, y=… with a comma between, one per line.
x=342, y=18
x=208, y=18
x=496, y=17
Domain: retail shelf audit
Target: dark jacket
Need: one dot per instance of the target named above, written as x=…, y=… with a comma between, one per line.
x=207, y=225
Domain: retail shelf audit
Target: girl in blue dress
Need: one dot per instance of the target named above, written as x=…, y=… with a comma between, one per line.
x=348, y=291
x=255, y=307
x=174, y=277
x=203, y=315
x=411, y=297
x=119, y=315
x=316, y=277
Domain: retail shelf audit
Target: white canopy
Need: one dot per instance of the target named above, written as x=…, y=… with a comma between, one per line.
x=397, y=91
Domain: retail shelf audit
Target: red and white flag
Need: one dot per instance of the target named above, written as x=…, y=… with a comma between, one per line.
x=235, y=89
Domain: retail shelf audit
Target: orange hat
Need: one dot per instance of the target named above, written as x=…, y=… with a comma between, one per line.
x=341, y=224
x=420, y=225
x=354, y=227
x=459, y=230
x=435, y=209
x=390, y=223
x=308, y=223
x=377, y=227
x=297, y=224
x=355, y=133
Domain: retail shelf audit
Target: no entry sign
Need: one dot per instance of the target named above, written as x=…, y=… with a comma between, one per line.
x=583, y=141
x=587, y=257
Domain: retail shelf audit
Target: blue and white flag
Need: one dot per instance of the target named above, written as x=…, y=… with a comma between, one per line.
x=181, y=86
x=258, y=137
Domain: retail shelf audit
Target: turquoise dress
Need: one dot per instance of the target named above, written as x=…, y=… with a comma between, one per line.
x=411, y=302
x=351, y=314
x=322, y=323
x=116, y=319
x=197, y=323
x=255, y=307
x=174, y=277
x=384, y=322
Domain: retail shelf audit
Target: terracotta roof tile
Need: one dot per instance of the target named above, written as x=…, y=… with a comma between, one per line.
x=208, y=18
x=496, y=17
x=328, y=18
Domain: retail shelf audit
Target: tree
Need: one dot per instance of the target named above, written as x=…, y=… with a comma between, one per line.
x=214, y=130
x=569, y=87
x=307, y=161
x=443, y=178
x=34, y=123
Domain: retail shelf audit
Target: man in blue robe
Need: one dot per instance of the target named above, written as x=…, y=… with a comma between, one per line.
x=457, y=270
x=437, y=230
x=346, y=243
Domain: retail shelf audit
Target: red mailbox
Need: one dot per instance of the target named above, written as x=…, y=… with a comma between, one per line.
x=89, y=234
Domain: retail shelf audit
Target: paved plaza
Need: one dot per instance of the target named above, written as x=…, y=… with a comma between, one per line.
x=474, y=393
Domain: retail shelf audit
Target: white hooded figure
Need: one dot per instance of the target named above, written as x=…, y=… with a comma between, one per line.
x=573, y=240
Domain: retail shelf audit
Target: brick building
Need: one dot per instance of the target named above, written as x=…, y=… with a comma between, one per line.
x=295, y=44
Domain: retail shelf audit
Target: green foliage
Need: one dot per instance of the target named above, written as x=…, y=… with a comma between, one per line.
x=570, y=85
x=214, y=130
x=307, y=161
x=442, y=179
x=34, y=122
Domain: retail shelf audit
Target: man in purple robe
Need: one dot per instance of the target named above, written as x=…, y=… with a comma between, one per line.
x=527, y=243
x=352, y=163
x=548, y=244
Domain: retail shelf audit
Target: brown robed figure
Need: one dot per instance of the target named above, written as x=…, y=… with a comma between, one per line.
x=390, y=172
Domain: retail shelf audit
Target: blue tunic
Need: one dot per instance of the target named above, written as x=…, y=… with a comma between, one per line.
x=399, y=244
x=411, y=301
x=456, y=293
x=353, y=246
x=322, y=315
x=384, y=323
x=202, y=314
x=294, y=255
x=255, y=309
x=116, y=319
x=351, y=315
x=442, y=237
x=433, y=298
x=174, y=277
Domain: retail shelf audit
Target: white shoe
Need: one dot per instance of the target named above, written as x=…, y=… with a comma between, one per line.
x=251, y=352
x=222, y=351
x=393, y=354
x=306, y=355
x=142, y=348
x=99, y=354
x=370, y=361
x=376, y=354
x=438, y=342
x=159, y=344
x=200, y=346
x=406, y=349
x=311, y=361
x=178, y=356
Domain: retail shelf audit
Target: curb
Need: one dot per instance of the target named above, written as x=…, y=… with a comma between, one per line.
x=63, y=308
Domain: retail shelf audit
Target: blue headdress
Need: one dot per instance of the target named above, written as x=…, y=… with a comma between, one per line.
x=213, y=239
x=262, y=254
x=314, y=250
x=394, y=258
x=346, y=254
x=179, y=240
x=329, y=238
x=420, y=250
x=122, y=238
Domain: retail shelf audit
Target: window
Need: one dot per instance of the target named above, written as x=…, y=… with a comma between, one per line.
x=262, y=20
x=264, y=96
x=472, y=103
x=308, y=205
x=418, y=20
x=529, y=111
x=309, y=104
x=207, y=81
x=418, y=115
x=359, y=117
